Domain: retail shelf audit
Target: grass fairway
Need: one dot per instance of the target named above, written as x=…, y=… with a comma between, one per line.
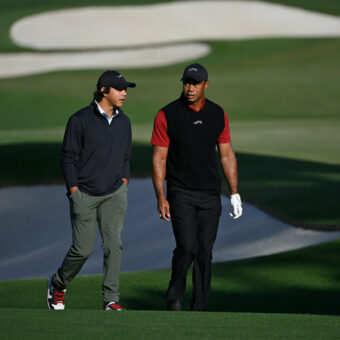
x=11, y=11
x=326, y=6
x=258, y=80
x=284, y=296
x=267, y=181
x=89, y=324
x=304, y=281
x=281, y=96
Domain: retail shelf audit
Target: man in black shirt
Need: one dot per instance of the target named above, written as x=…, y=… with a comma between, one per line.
x=184, y=139
x=95, y=164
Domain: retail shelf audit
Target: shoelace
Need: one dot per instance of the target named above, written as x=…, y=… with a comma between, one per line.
x=59, y=297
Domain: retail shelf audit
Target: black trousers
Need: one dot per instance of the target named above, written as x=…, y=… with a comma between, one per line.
x=195, y=216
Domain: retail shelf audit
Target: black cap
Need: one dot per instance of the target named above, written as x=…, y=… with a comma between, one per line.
x=113, y=79
x=196, y=72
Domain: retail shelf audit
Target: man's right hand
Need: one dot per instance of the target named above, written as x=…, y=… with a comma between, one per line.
x=72, y=190
x=164, y=209
x=235, y=201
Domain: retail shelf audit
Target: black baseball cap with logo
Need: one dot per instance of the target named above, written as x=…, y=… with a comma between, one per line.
x=113, y=79
x=196, y=72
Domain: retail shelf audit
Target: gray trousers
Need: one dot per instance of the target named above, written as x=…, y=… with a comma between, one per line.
x=86, y=211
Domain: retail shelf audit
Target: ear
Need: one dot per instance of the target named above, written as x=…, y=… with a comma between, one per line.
x=207, y=83
x=102, y=89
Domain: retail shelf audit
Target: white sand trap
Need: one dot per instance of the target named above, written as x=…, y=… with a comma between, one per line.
x=17, y=64
x=35, y=233
x=131, y=26
x=97, y=27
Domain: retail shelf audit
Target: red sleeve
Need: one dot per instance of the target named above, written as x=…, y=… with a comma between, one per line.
x=225, y=135
x=159, y=134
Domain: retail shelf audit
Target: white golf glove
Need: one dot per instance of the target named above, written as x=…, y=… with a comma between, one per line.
x=235, y=201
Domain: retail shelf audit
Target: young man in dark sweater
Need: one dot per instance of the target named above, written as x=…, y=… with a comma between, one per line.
x=184, y=140
x=95, y=164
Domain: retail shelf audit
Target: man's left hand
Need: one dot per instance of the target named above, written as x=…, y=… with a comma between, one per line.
x=235, y=201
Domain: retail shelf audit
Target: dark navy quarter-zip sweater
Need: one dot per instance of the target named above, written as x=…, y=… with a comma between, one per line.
x=96, y=154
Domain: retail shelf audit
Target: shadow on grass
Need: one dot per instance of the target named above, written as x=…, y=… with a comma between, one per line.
x=300, y=192
x=39, y=163
x=301, y=281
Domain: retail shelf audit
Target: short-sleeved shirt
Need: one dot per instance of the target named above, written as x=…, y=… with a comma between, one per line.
x=191, y=137
x=161, y=138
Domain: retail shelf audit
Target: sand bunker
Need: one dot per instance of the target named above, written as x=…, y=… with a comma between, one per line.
x=40, y=215
x=102, y=27
x=150, y=27
x=17, y=64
